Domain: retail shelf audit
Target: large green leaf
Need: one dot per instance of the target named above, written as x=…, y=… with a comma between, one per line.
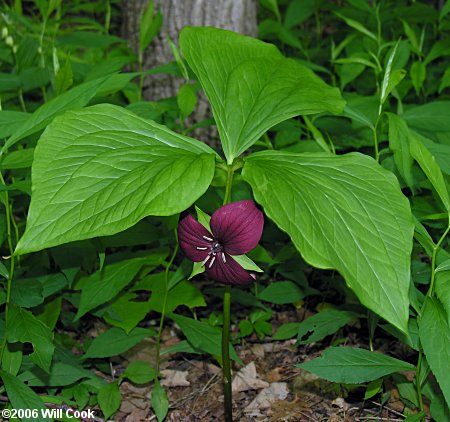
x=105, y=284
x=160, y=402
x=202, y=336
x=430, y=167
x=70, y=100
x=99, y=170
x=10, y=121
x=109, y=399
x=139, y=372
x=442, y=280
x=115, y=341
x=343, y=212
x=440, y=152
x=251, y=86
x=431, y=117
x=60, y=374
x=434, y=334
x=399, y=144
x=23, y=397
x=281, y=292
x=354, y=366
x=322, y=324
x=24, y=327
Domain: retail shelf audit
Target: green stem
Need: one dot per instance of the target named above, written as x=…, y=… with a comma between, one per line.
x=267, y=141
x=227, y=197
x=41, y=42
x=8, y=299
x=141, y=76
x=12, y=262
x=226, y=364
x=163, y=313
x=318, y=26
x=256, y=288
x=108, y=16
x=375, y=144
x=418, y=386
x=16, y=231
x=44, y=94
x=377, y=16
x=433, y=258
x=375, y=138
x=8, y=216
x=22, y=101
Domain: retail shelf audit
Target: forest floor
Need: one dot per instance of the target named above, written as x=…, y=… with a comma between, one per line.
x=267, y=388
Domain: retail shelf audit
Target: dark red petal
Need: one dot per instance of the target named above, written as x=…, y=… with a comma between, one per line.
x=229, y=272
x=238, y=226
x=190, y=237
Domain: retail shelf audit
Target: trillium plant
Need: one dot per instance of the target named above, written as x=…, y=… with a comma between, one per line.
x=236, y=229
x=101, y=169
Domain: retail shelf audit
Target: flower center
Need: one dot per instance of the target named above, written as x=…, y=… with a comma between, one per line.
x=215, y=249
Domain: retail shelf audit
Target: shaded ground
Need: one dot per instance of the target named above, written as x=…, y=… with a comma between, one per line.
x=290, y=394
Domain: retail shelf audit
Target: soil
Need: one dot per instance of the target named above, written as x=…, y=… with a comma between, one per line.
x=277, y=390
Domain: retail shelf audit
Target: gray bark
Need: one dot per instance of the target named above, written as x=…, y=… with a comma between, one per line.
x=236, y=15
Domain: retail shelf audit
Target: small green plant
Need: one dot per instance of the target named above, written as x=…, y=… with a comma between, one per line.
x=351, y=175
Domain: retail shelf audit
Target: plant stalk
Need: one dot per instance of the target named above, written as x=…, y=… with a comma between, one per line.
x=163, y=313
x=375, y=140
x=227, y=197
x=433, y=258
x=418, y=386
x=9, y=218
x=226, y=364
x=141, y=76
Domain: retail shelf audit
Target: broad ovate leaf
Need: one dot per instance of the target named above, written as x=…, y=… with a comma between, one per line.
x=430, y=167
x=70, y=100
x=430, y=117
x=99, y=170
x=24, y=327
x=251, y=86
x=434, y=335
x=399, y=144
x=342, y=212
x=354, y=366
x=23, y=397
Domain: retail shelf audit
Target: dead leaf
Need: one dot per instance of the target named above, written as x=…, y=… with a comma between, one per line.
x=174, y=378
x=341, y=403
x=276, y=391
x=273, y=375
x=213, y=369
x=258, y=350
x=136, y=415
x=247, y=379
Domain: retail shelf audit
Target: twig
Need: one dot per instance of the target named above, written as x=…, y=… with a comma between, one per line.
x=388, y=408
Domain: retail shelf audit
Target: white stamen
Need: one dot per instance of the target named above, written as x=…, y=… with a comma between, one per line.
x=207, y=238
x=205, y=260
x=223, y=258
x=201, y=249
x=212, y=261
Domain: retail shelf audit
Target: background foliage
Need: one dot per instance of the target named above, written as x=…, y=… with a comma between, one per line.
x=112, y=171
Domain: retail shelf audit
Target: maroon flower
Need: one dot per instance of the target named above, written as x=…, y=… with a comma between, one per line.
x=236, y=229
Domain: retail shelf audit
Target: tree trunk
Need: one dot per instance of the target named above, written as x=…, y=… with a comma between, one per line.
x=236, y=15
